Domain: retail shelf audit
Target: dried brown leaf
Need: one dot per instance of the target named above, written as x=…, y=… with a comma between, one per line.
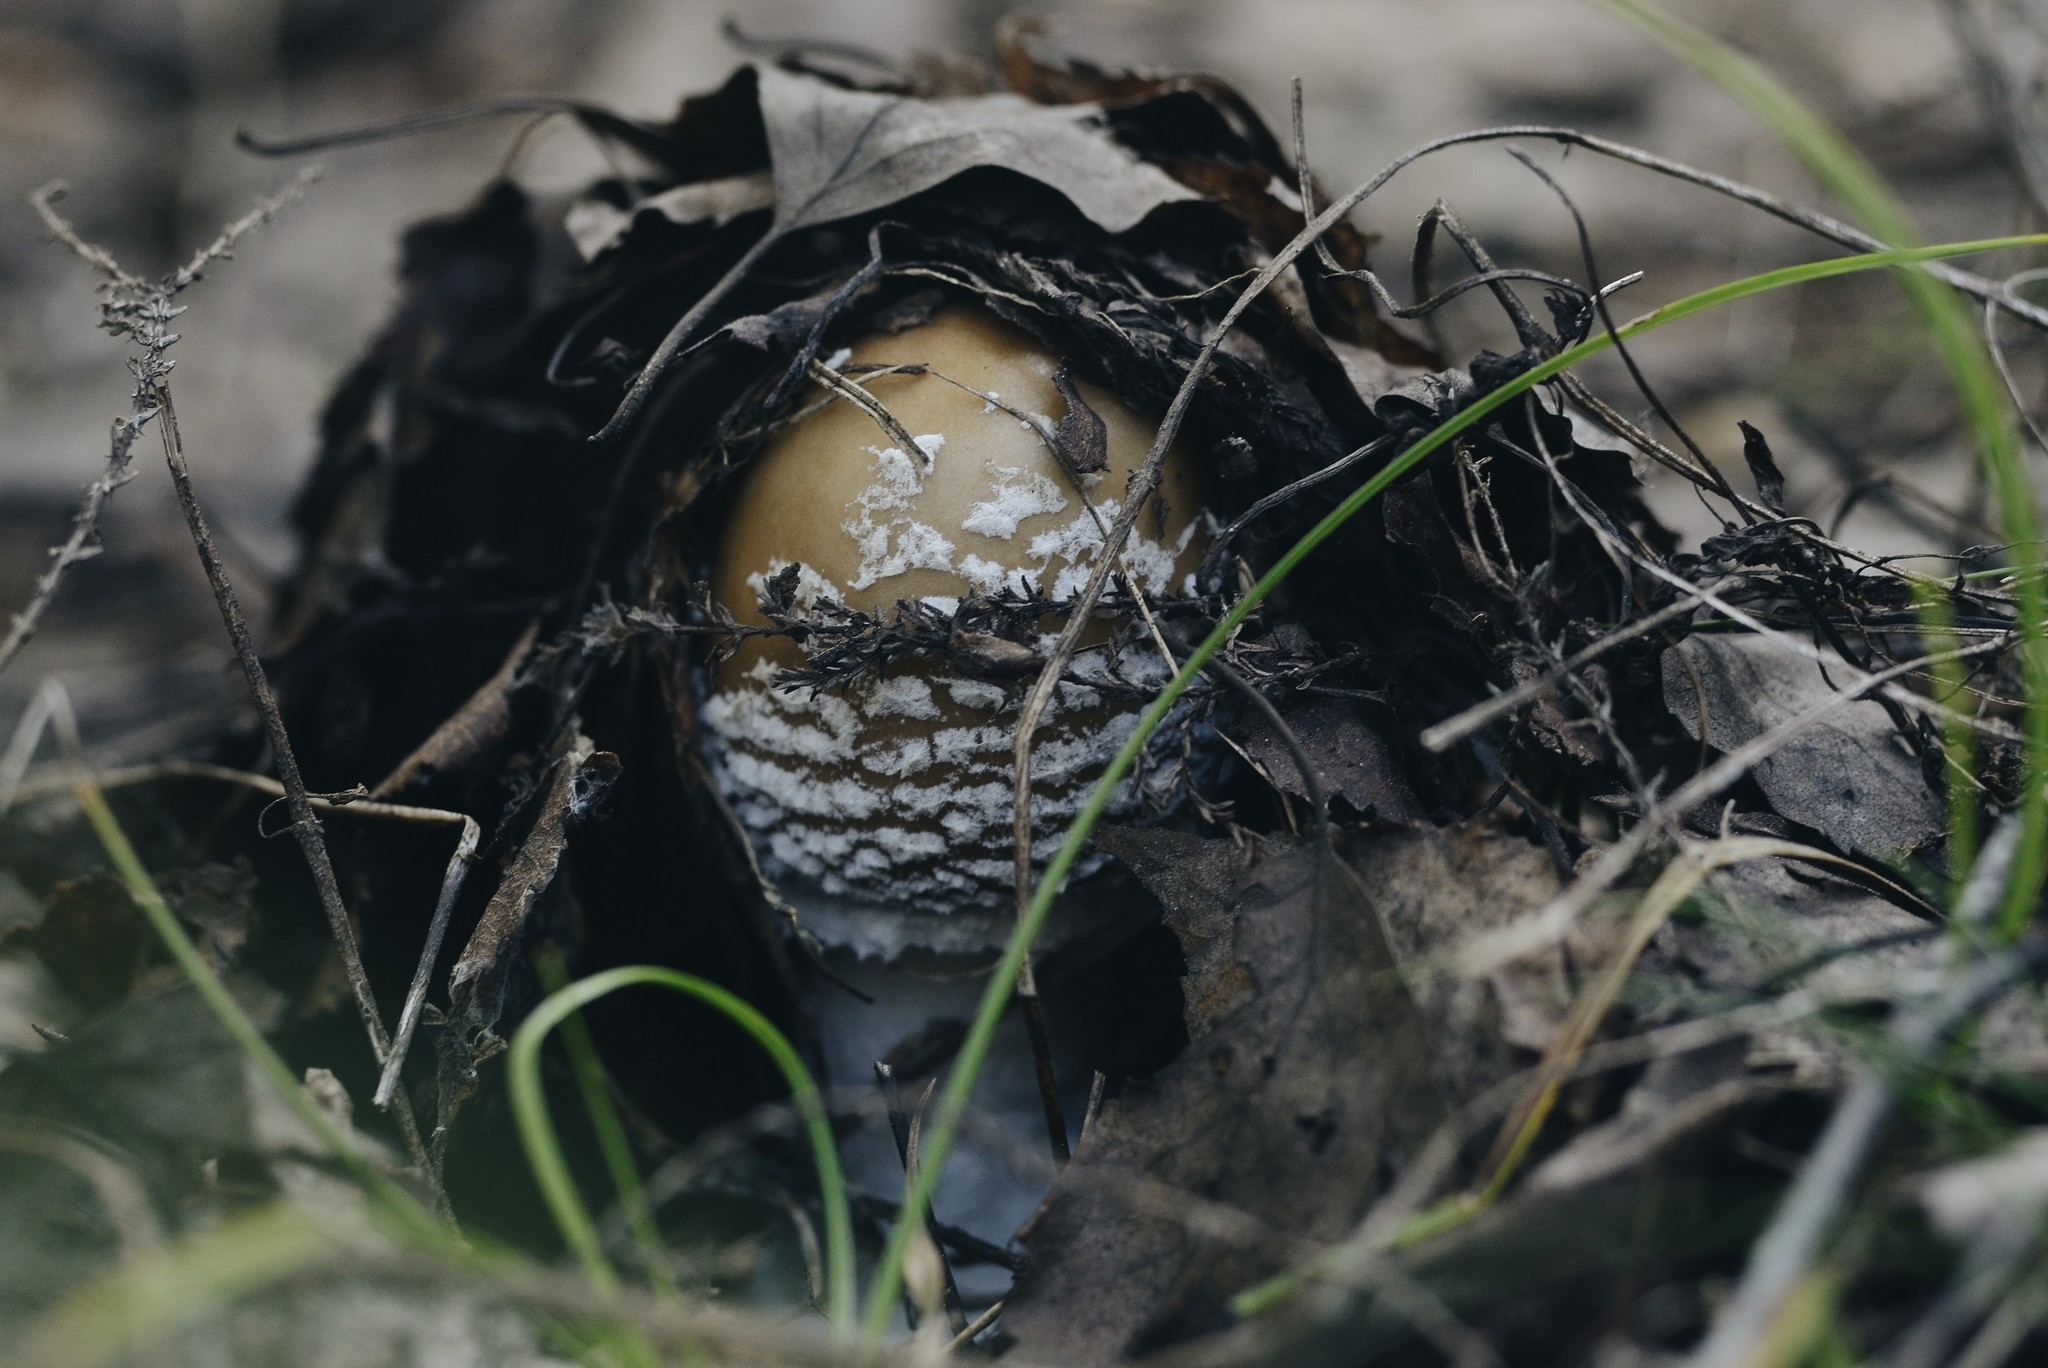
x=90, y=938
x=1848, y=777
x=837, y=153
x=1347, y=753
x=1305, y=1081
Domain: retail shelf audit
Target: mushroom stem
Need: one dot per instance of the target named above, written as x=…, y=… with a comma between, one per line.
x=996, y=1177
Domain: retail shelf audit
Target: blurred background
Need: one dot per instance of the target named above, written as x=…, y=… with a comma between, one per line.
x=135, y=103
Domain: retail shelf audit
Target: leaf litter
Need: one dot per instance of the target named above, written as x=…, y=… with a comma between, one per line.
x=1317, y=869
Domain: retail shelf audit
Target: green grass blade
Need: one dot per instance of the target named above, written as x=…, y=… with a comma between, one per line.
x=551, y=1171
x=173, y=1288
x=612, y=1141
x=953, y=1100
x=1952, y=326
x=264, y=1247
x=413, y=1221
x=1959, y=739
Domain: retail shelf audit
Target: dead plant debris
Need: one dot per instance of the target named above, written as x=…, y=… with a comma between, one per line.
x=1315, y=1131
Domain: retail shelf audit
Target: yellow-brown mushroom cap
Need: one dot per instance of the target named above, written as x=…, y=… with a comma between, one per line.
x=896, y=791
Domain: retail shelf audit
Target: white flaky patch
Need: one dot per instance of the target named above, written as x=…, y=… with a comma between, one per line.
x=1079, y=541
x=891, y=541
x=867, y=796
x=902, y=696
x=1056, y=561
x=1015, y=499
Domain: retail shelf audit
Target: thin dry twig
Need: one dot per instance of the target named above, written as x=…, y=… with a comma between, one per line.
x=1694, y=862
x=974, y=1328
x=142, y=312
x=1452, y=730
x=1780, y=1261
x=905, y=1128
x=459, y=862
x=1145, y=483
x=1554, y=919
x=84, y=542
x=1997, y=350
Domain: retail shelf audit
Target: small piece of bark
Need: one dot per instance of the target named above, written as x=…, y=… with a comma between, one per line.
x=476, y=986
x=472, y=732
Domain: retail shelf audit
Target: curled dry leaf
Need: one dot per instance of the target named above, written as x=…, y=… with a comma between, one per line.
x=595, y=225
x=837, y=153
x=90, y=938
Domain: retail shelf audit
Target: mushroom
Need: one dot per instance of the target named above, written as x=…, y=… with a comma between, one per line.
x=883, y=809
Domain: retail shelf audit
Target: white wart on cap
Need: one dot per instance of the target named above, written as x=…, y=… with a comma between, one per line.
x=893, y=795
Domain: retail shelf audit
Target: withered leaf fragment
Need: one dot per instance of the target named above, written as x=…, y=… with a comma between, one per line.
x=90, y=938
x=837, y=153
x=1847, y=776
x=1082, y=439
x=1349, y=757
x=476, y=986
x=1305, y=1081
x=1763, y=468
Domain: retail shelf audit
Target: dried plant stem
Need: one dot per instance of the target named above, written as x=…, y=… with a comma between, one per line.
x=52, y=707
x=305, y=826
x=457, y=874
x=430, y=953
x=974, y=1328
x=83, y=543
x=1694, y=862
x=459, y=862
x=1452, y=730
x=1780, y=1263
x=141, y=311
x=1554, y=919
x=44, y=784
x=1838, y=165
x=904, y=1130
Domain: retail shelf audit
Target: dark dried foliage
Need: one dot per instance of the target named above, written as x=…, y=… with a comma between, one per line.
x=497, y=615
